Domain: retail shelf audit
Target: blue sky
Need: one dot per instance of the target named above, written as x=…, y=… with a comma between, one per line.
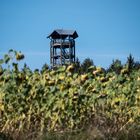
x=108, y=29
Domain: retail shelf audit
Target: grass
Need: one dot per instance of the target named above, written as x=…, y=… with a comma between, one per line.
x=93, y=133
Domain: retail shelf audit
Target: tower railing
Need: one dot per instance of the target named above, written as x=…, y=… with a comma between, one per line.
x=59, y=42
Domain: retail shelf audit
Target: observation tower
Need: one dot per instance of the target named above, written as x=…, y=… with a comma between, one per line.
x=62, y=47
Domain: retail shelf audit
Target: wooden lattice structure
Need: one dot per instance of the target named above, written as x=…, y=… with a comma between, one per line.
x=62, y=47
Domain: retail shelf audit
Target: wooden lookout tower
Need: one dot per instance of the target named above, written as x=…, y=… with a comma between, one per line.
x=62, y=47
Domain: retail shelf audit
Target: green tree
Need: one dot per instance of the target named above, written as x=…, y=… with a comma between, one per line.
x=45, y=67
x=86, y=64
x=137, y=65
x=77, y=65
x=130, y=63
x=116, y=66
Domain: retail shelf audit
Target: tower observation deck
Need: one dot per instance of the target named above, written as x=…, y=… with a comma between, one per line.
x=62, y=47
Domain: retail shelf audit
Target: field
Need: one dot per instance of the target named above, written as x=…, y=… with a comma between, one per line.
x=64, y=104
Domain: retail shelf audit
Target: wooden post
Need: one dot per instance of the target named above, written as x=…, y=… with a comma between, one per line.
x=72, y=53
x=74, y=49
x=53, y=57
x=69, y=50
x=61, y=51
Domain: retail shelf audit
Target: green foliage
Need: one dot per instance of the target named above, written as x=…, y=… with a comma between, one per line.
x=77, y=66
x=45, y=67
x=86, y=64
x=130, y=63
x=116, y=66
x=62, y=100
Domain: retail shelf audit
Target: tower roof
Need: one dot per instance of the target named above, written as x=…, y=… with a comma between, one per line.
x=60, y=33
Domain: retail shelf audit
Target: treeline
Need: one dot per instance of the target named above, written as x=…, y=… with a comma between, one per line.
x=79, y=67
x=116, y=65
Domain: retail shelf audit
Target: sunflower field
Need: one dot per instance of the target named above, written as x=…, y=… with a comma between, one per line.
x=61, y=100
